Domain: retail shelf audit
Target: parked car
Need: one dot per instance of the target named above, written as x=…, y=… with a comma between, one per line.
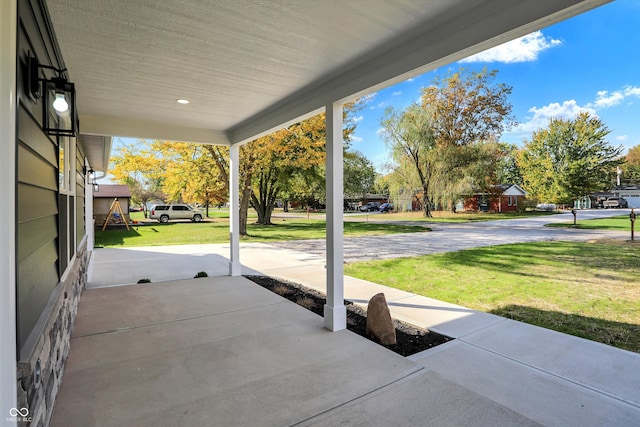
x=615, y=202
x=165, y=213
x=386, y=207
x=369, y=207
x=547, y=207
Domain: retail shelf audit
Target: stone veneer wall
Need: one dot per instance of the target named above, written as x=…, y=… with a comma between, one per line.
x=52, y=347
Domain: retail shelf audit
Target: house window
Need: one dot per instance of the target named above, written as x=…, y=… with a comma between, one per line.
x=62, y=167
x=66, y=165
x=509, y=200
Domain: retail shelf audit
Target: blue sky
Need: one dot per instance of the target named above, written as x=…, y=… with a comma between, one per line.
x=587, y=63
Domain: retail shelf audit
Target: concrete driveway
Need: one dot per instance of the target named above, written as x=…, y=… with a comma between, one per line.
x=448, y=237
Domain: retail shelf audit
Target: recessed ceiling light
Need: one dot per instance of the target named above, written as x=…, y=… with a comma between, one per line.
x=182, y=101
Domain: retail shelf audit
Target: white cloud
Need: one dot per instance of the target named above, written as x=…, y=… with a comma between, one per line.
x=358, y=119
x=397, y=93
x=381, y=104
x=523, y=49
x=410, y=80
x=632, y=91
x=381, y=131
x=356, y=138
x=541, y=116
x=605, y=99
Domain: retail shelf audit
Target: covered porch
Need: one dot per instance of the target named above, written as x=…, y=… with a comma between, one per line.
x=224, y=351
x=186, y=352
x=229, y=73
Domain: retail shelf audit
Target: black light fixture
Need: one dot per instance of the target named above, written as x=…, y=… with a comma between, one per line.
x=59, y=115
x=59, y=107
x=92, y=181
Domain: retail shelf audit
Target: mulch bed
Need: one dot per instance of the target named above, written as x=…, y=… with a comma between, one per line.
x=410, y=339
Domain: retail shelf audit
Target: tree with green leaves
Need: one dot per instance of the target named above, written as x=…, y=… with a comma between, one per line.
x=450, y=138
x=631, y=167
x=568, y=159
x=359, y=175
x=410, y=137
x=508, y=171
x=292, y=156
x=139, y=167
x=204, y=185
x=281, y=156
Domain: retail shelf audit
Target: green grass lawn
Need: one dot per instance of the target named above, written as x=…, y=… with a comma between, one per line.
x=187, y=233
x=619, y=223
x=591, y=290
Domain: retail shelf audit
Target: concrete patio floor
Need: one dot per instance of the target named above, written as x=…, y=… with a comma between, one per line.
x=224, y=351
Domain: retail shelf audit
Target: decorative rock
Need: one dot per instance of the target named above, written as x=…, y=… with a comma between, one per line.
x=379, y=323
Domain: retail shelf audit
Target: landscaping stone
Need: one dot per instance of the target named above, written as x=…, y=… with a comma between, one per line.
x=410, y=339
x=379, y=324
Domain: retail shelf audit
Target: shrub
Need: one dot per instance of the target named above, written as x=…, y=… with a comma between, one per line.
x=201, y=274
x=281, y=290
x=305, y=302
x=144, y=281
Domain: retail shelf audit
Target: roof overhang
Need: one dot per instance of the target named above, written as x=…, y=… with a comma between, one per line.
x=250, y=67
x=97, y=148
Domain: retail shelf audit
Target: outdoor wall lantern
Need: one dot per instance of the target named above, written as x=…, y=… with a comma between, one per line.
x=59, y=116
x=92, y=180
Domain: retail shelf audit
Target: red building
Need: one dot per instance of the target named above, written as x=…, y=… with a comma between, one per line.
x=498, y=198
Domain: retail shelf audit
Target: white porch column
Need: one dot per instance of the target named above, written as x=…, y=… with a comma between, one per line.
x=235, y=268
x=8, y=105
x=335, y=313
x=88, y=210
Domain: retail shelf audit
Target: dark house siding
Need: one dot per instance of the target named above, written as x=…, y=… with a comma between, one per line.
x=46, y=217
x=37, y=232
x=51, y=256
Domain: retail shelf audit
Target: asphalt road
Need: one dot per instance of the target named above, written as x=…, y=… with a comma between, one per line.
x=447, y=237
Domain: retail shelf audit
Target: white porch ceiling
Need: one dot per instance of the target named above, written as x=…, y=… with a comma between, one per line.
x=250, y=66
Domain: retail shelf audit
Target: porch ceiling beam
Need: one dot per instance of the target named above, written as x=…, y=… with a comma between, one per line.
x=132, y=128
x=415, y=52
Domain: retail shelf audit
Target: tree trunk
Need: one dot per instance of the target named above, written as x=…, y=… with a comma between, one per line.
x=144, y=208
x=426, y=206
x=244, y=204
x=264, y=202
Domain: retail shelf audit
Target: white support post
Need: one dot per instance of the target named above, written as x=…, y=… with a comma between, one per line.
x=235, y=268
x=88, y=209
x=335, y=313
x=8, y=105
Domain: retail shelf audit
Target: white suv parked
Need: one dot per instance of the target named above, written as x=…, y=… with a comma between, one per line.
x=164, y=213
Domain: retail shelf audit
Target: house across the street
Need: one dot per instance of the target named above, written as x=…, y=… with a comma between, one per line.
x=497, y=198
x=629, y=192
